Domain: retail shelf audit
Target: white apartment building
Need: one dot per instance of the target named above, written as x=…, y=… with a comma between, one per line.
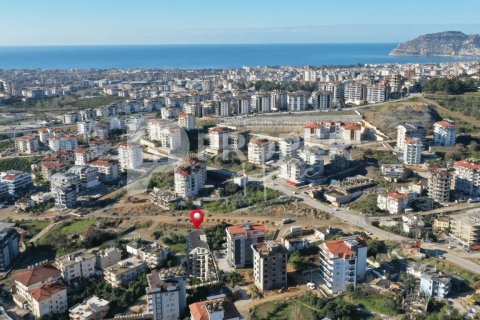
x=107, y=170
x=186, y=121
x=44, y=135
x=217, y=307
x=33, y=279
x=190, y=177
x=243, y=104
x=393, y=202
x=262, y=102
x=219, y=138
x=83, y=156
x=76, y=265
x=410, y=130
x=64, y=143
x=48, y=300
x=16, y=181
x=123, y=272
x=199, y=258
x=290, y=146
x=412, y=151
x=130, y=156
x=465, y=229
x=467, y=177
x=444, y=133
x=260, y=150
x=92, y=308
x=343, y=263
x=437, y=286
x=168, y=136
x=152, y=254
x=322, y=100
x=345, y=132
x=355, y=93
x=338, y=90
x=85, y=127
x=27, y=144
x=65, y=188
x=279, y=100
x=88, y=176
x=298, y=101
x=293, y=170
x=166, y=296
x=269, y=265
x=240, y=239
x=108, y=257
x=377, y=93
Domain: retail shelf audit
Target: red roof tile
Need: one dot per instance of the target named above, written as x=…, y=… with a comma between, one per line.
x=47, y=290
x=37, y=274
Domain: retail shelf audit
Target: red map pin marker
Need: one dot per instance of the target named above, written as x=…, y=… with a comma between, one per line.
x=196, y=216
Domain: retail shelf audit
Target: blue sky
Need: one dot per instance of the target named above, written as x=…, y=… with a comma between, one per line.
x=70, y=22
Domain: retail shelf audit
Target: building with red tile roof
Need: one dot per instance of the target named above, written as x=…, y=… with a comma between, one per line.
x=218, y=307
x=240, y=238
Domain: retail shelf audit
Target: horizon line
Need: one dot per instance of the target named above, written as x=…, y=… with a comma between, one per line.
x=193, y=44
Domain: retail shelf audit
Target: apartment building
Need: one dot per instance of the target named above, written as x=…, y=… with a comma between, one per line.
x=107, y=170
x=219, y=138
x=242, y=104
x=444, y=133
x=343, y=263
x=217, y=307
x=355, y=93
x=412, y=151
x=190, y=177
x=83, y=156
x=75, y=266
x=440, y=184
x=16, y=181
x=240, y=239
x=322, y=100
x=34, y=278
x=108, y=257
x=27, y=144
x=279, y=100
x=48, y=300
x=269, y=265
x=92, y=308
x=186, y=121
x=166, y=296
x=262, y=102
x=199, y=258
x=293, y=170
x=393, y=202
x=130, y=156
x=260, y=150
x=435, y=285
x=65, y=188
x=318, y=131
x=151, y=253
x=377, y=93
x=410, y=130
x=9, y=245
x=467, y=177
x=338, y=90
x=62, y=143
x=298, y=101
x=123, y=272
x=87, y=176
x=465, y=229
x=290, y=146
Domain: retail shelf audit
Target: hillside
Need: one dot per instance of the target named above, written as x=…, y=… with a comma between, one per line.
x=388, y=117
x=445, y=44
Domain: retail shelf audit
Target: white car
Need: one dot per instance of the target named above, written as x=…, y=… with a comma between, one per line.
x=311, y=286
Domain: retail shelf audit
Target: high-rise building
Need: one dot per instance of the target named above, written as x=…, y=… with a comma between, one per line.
x=190, y=177
x=167, y=296
x=410, y=130
x=16, y=181
x=260, y=150
x=343, y=263
x=130, y=156
x=9, y=245
x=242, y=104
x=240, y=239
x=465, y=229
x=377, y=93
x=298, y=101
x=199, y=258
x=262, y=102
x=355, y=93
x=322, y=100
x=412, y=151
x=467, y=177
x=279, y=100
x=269, y=265
x=338, y=90
x=444, y=133
x=440, y=184
x=186, y=121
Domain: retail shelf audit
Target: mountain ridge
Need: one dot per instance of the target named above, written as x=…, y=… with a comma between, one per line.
x=441, y=44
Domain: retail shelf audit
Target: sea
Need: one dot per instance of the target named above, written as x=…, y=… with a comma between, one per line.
x=202, y=56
